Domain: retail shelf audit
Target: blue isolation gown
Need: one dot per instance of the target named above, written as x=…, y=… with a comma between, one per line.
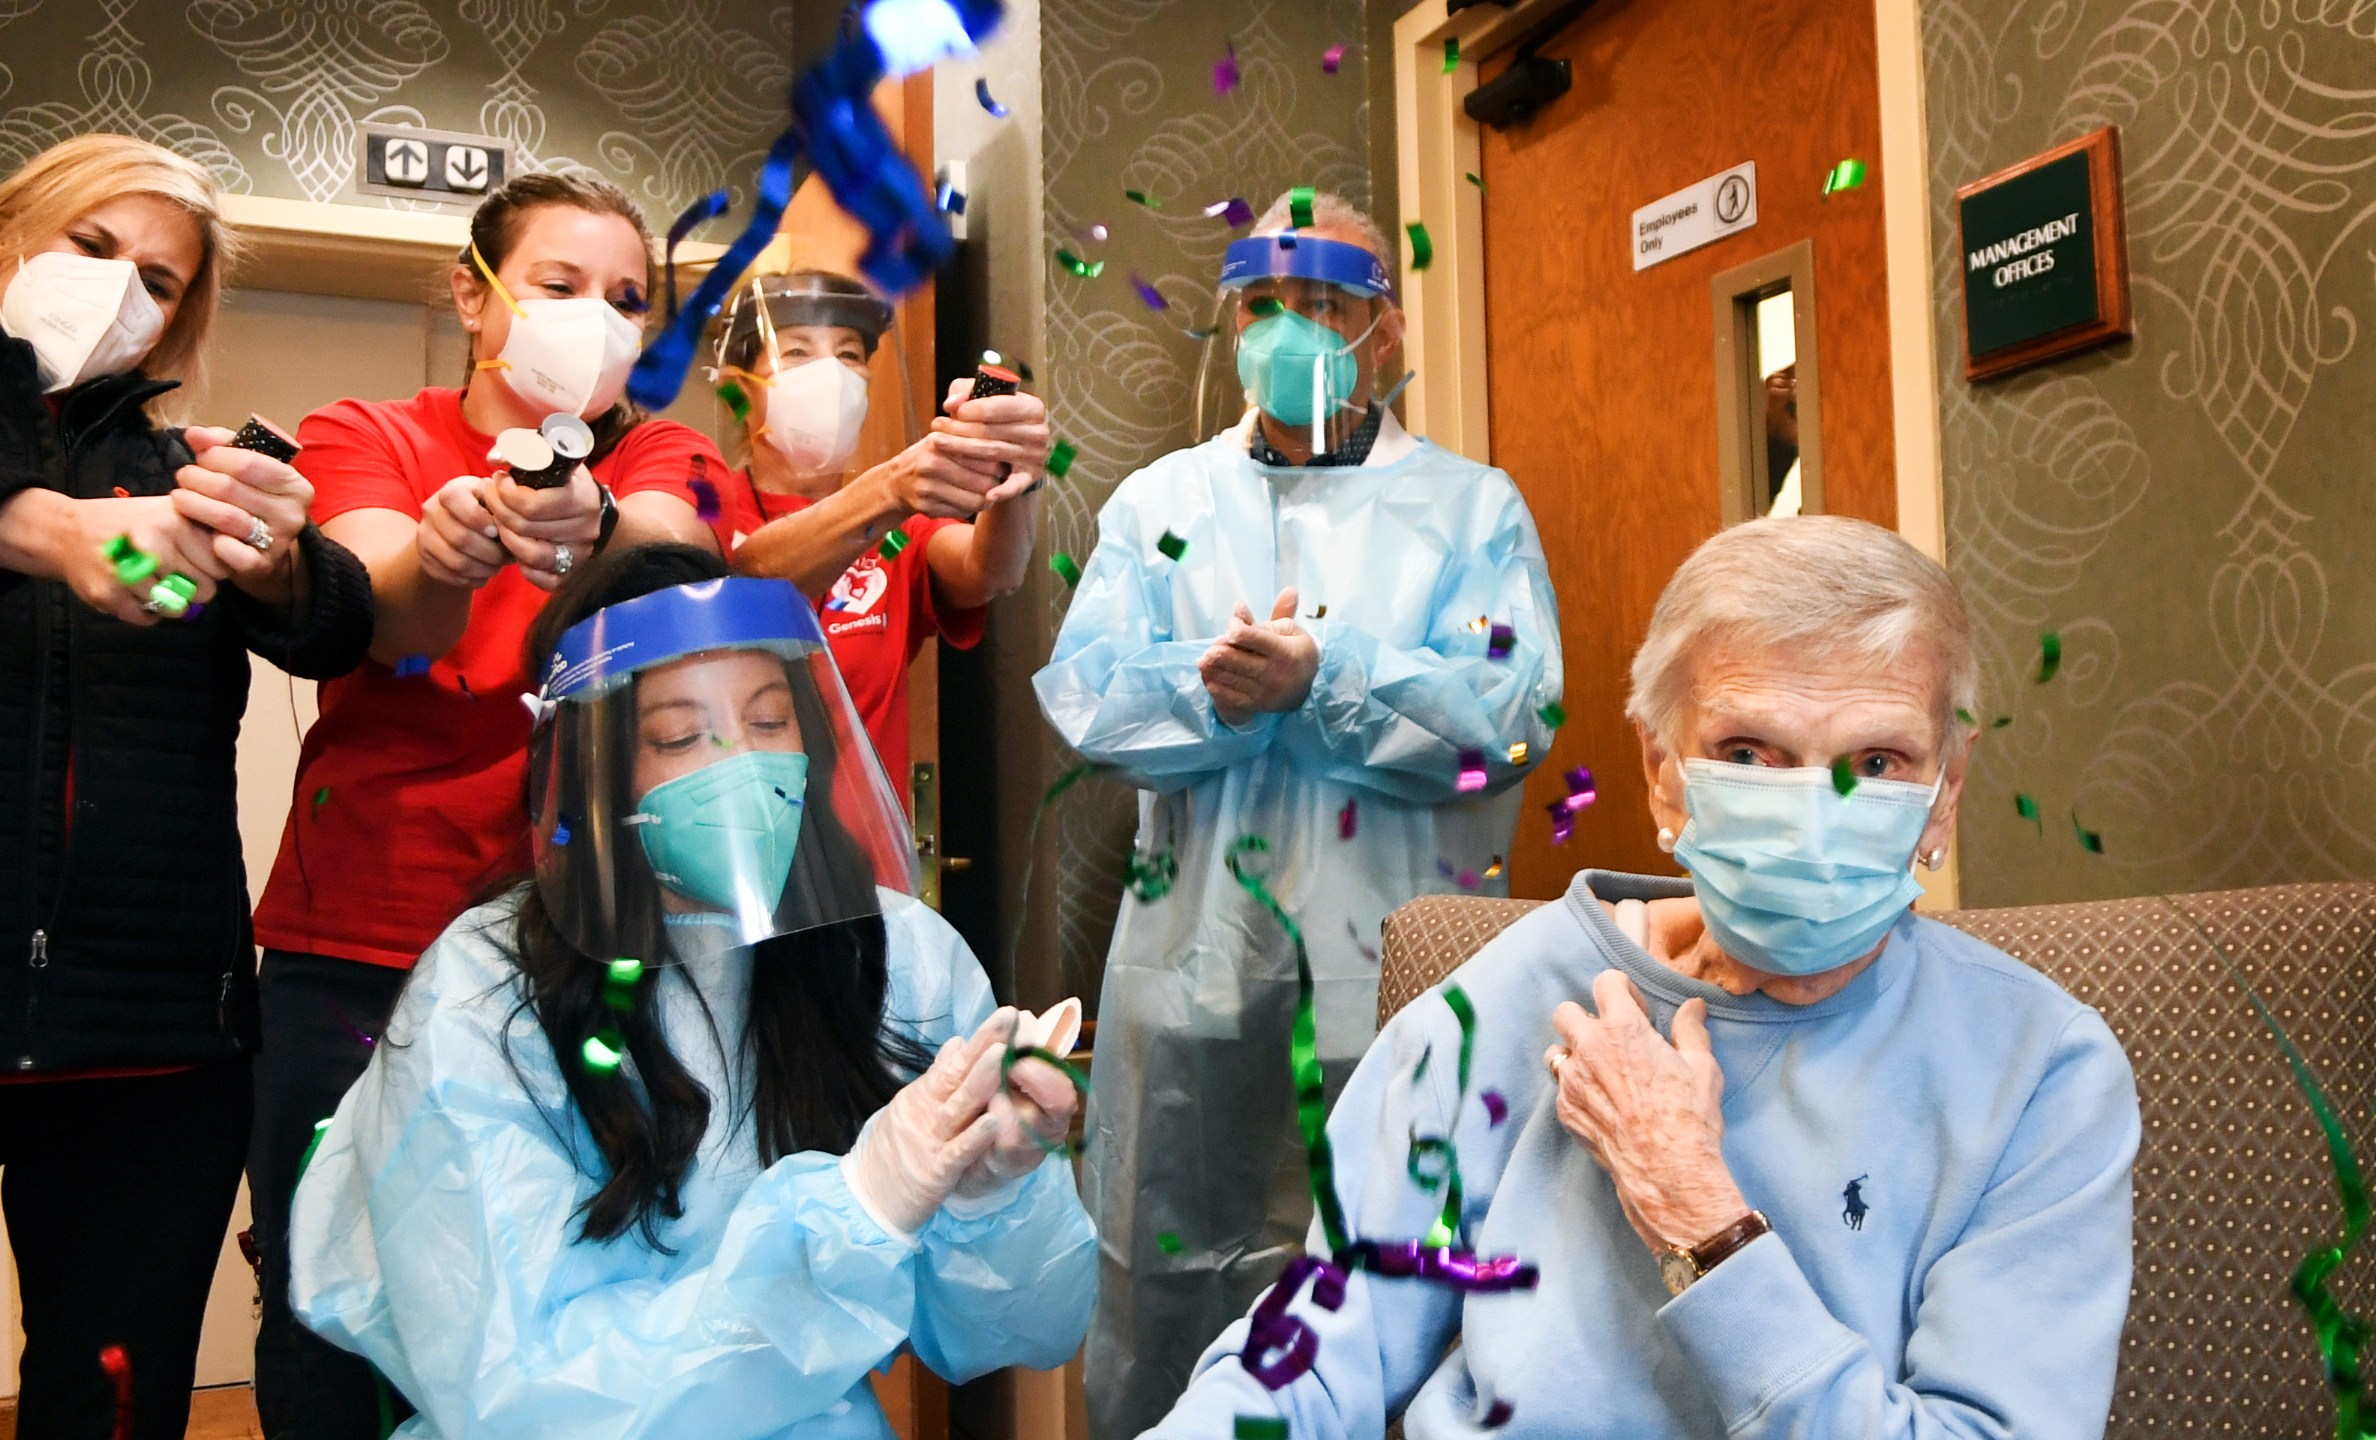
x=1403, y=565
x=435, y=1232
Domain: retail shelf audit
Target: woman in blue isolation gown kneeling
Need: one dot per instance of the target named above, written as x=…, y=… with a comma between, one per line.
x=714, y=1117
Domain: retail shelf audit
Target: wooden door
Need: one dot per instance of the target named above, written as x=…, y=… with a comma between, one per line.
x=1602, y=379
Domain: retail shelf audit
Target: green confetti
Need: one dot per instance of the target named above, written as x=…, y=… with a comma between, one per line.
x=1475, y=179
x=1299, y=206
x=1451, y=54
x=1967, y=717
x=1086, y=269
x=1066, y=568
x=603, y=1052
x=2049, y=655
x=1847, y=175
x=321, y=1129
x=321, y=797
x=1552, y=715
x=2000, y=722
x=1169, y=1242
x=132, y=564
x=1843, y=778
x=892, y=544
x=2089, y=840
x=1172, y=546
x=736, y=400
x=1141, y=197
x=1260, y=1427
x=1263, y=306
x=1422, y=248
x=1060, y=459
x=2027, y=809
x=1151, y=877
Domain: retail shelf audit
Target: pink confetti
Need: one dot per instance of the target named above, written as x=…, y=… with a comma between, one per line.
x=1225, y=73
x=1332, y=57
x=1345, y=822
x=705, y=501
x=1472, y=772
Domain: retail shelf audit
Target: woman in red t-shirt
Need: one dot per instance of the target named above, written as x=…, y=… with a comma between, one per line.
x=799, y=346
x=411, y=786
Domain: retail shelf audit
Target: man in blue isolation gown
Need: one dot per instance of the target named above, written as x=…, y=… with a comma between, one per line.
x=1315, y=630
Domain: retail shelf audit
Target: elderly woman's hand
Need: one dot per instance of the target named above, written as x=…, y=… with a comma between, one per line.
x=1650, y=1112
x=1254, y=668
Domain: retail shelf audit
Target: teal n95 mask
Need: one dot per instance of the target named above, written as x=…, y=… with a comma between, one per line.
x=1793, y=877
x=1292, y=320
x=725, y=834
x=1296, y=368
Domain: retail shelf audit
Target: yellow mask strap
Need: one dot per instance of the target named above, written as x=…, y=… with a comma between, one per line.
x=484, y=269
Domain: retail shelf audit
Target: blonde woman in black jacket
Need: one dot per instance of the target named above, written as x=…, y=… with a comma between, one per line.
x=127, y=972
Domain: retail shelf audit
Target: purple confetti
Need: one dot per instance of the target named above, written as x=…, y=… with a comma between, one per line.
x=1239, y=214
x=411, y=665
x=1332, y=58
x=1501, y=642
x=705, y=501
x=1149, y=293
x=1225, y=72
x=982, y=93
x=1369, y=952
x=1496, y=1108
x=1499, y=1415
x=561, y=831
x=1466, y=880
x=1472, y=772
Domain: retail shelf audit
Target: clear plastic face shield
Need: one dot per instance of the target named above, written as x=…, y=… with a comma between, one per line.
x=811, y=366
x=696, y=762
x=1298, y=328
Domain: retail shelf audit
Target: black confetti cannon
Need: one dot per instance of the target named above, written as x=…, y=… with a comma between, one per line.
x=541, y=459
x=265, y=438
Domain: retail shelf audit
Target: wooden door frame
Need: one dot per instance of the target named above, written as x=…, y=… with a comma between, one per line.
x=1437, y=146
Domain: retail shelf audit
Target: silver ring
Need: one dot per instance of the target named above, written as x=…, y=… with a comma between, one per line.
x=151, y=607
x=259, y=534
x=562, y=559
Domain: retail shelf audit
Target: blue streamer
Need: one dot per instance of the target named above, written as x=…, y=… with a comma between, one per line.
x=660, y=371
x=708, y=207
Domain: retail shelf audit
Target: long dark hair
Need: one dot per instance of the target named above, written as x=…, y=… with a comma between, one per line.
x=822, y=1057
x=495, y=228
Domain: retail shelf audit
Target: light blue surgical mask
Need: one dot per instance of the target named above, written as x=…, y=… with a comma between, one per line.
x=1290, y=364
x=725, y=834
x=1793, y=877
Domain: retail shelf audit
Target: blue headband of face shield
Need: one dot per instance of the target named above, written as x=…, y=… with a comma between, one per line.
x=1304, y=257
x=730, y=614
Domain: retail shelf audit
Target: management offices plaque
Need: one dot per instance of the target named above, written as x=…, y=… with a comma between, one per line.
x=2043, y=253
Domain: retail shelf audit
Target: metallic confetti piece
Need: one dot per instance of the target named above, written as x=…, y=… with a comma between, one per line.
x=321, y=1128
x=1225, y=72
x=1422, y=248
x=1148, y=293
x=1497, y=1109
x=1332, y=58
x=1966, y=717
x=1265, y=306
x=1518, y=752
x=1201, y=332
x=1466, y=880
x=736, y=400
x=1500, y=642
x=321, y=798
x=705, y=501
x=1472, y=772
x=2000, y=722
x=118, y=1366
x=1095, y=234
x=602, y=1052
x=1347, y=819
x=2049, y=655
x=1169, y=1243
x=1847, y=175
x=1299, y=206
x=892, y=544
x=1151, y=877
x=1494, y=870
x=1581, y=791
x=1086, y=269
x=1480, y=625
x=1552, y=715
x=1141, y=197
x=1066, y=568
x=949, y=200
x=407, y=666
x=1235, y=210
x=1260, y=1427
x=1475, y=179
x=1497, y=1415
x=1843, y=777
x=1172, y=546
x=2089, y=840
x=361, y=1036
x=1060, y=459
x=1369, y=953
x=2027, y=809
x=1321, y=613
x=982, y=93
x=561, y=831
x=1451, y=54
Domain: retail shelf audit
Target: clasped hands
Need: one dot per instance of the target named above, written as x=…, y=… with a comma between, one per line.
x=232, y=518
x=1258, y=667
x=1650, y=1112
x=959, y=1129
x=476, y=524
x=978, y=453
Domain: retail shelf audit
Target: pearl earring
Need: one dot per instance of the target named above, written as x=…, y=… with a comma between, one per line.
x=1666, y=840
x=1933, y=859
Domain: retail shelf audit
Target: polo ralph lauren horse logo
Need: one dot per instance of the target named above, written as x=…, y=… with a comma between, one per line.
x=1854, y=1209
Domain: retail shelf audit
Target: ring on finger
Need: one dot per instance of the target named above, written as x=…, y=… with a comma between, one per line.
x=259, y=536
x=562, y=559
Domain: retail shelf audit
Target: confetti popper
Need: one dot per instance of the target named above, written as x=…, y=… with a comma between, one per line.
x=1422, y=248
x=982, y=94
x=1172, y=546
x=705, y=501
x=1332, y=58
x=1451, y=54
x=118, y=1366
x=1225, y=71
x=1347, y=819
x=2049, y=655
x=1299, y=206
x=1060, y=458
x=1148, y=293
x=1847, y=175
x=1085, y=269
x=893, y=543
x=1066, y=568
x=1843, y=777
x=1472, y=772
x=1500, y=641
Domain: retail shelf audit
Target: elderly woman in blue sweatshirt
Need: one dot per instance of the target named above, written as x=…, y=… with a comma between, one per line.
x=1790, y=1160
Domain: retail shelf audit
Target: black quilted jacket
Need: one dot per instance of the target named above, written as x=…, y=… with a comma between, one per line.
x=124, y=937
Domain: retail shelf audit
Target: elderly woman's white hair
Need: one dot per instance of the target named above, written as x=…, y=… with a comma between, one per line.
x=1823, y=587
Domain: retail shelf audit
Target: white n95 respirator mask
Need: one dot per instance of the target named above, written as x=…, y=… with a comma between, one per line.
x=83, y=316
x=814, y=412
x=568, y=355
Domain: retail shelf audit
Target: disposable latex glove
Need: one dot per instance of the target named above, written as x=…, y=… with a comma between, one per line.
x=1034, y=1114
x=909, y=1157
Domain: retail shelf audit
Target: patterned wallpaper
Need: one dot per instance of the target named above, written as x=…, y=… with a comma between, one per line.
x=668, y=97
x=2190, y=510
x=1129, y=104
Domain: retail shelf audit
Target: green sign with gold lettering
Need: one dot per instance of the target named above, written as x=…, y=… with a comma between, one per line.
x=2029, y=256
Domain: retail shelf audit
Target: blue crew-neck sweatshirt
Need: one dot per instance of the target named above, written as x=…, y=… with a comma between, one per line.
x=1943, y=1150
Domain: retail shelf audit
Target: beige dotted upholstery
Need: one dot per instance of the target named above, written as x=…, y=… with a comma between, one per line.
x=2232, y=1182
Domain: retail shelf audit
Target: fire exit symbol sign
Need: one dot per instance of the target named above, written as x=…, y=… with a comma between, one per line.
x=430, y=164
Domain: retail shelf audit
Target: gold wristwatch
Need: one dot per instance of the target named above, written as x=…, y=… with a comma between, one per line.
x=1680, y=1265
